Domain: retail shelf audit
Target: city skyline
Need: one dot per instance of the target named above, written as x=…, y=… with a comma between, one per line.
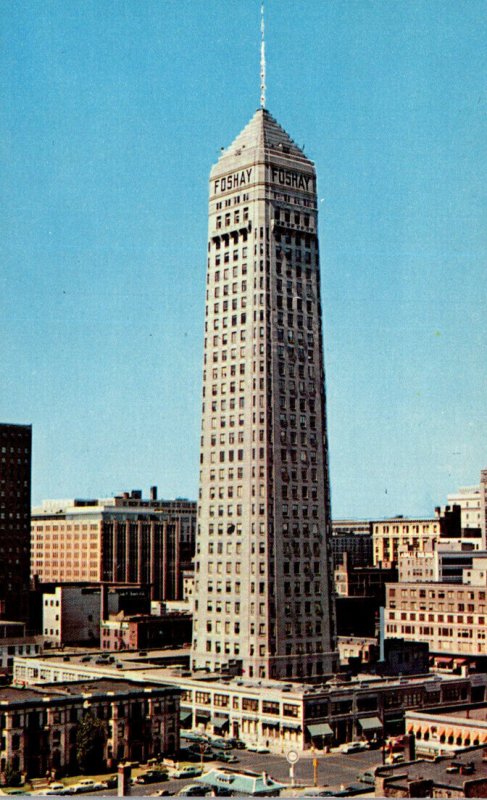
x=109, y=130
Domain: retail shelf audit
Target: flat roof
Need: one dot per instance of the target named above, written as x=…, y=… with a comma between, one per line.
x=97, y=687
x=148, y=667
x=436, y=770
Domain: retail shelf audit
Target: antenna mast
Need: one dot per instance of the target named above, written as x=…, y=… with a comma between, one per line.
x=262, y=58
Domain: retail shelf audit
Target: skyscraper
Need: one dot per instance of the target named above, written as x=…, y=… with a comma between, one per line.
x=15, y=478
x=263, y=574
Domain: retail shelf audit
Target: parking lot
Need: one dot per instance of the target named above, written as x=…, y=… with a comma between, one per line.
x=334, y=770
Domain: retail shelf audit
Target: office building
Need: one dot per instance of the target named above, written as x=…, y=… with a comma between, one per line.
x=263, y=573
x=450, y=617
x=353, y=538
x=120, y=540
x=15, y=483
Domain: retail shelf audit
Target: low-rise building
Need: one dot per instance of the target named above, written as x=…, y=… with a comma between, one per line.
x=276, y=714
x=39, y=724
x=464, y=775
x=71, y=613
x=357, y=649
x=121, y=632
x=443, y=729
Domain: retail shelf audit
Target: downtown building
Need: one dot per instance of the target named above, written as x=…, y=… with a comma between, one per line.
x=119, y=540
x=263, y=603
x=15, y=486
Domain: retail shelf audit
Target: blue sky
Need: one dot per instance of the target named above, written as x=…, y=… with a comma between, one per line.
x=113, y=114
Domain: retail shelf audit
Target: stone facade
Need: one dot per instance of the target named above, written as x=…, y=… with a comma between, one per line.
x=263, y=569
x=38, y=727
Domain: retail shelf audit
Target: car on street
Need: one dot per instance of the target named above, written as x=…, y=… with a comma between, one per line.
x=367, y=777
x=257, y=748
x=237, y=744
x=111, y=782
x=161, y=793
x=354, y=747
x=194, y=790
x=152, y=776
x=220, y=744
x=86, y=785
x=228, y=758
x=193, y=737
x=55, y=788
x=186, y=772
x=353, y=789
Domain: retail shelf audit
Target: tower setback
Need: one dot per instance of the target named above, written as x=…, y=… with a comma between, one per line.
x=263, y=575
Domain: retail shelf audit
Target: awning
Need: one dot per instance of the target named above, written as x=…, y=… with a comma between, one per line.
x=272, y=723
x=219, y=722
x=370, y=724
x=319, y=729
x=293, y=725
x=202, y=714
x=185, y=715
x=443, y=662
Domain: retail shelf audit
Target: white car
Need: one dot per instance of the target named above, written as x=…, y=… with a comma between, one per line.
x=354, y=747
x=56, y=788
x=257, y=748
x=87, y=785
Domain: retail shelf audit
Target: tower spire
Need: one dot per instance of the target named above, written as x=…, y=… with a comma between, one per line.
x=262, y=58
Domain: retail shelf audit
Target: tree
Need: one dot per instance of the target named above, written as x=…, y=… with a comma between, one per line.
x=12, y=775
x=90, y=744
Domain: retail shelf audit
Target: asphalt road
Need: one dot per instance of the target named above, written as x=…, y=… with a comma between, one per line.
x=333, y=770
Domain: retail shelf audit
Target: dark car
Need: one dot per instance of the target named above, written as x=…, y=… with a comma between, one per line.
x=354, y=788
x=111, y=782
x=152, y=776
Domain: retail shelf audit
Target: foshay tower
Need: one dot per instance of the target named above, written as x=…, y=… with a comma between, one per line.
x=263, y=602
x=263, y=574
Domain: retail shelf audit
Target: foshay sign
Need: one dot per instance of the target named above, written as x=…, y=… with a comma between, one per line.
x=279, y=175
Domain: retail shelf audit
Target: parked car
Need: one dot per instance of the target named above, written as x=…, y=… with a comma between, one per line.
x=228, y=758
x=351, y=790
x=111, y=782
x=193, y=737
x=354, y=747
x=257, y=748
x=87, y=785
x=54, y=788
x=161, y=793
x=220, y=744
x=367, y=777
x=194, y=790
x=152, y=776
x=237, y=744
x=186, y=772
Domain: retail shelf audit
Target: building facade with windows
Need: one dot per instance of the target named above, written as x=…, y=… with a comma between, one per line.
x=276, y=714
x=262, y=601
x=39, y=725
x=15, y=486
x=450, y=617
x=391, y=536
x=120, y=540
